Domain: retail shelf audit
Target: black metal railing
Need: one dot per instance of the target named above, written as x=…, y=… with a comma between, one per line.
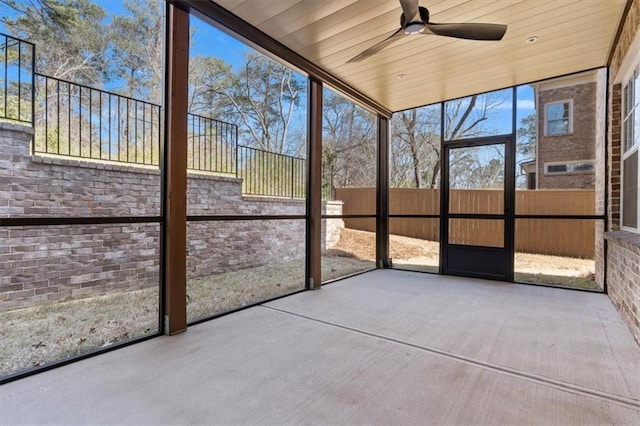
x=80, y=121
x=271, y=174
x=16, y=79
x=328, y=188
x=211, y=145
x=76, y=120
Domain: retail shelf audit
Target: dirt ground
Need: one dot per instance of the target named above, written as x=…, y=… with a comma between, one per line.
x=414, y=253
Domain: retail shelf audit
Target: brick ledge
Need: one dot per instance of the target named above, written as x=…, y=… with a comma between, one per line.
x=92, y=163
x=629, y=240
x=16, y=126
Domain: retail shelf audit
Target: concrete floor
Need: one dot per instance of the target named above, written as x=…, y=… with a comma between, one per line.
x=386, y=347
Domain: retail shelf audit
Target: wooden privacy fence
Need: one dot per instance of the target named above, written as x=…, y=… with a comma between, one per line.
x=562, y=237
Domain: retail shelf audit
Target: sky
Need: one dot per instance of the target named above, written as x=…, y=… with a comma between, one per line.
x=207, y=40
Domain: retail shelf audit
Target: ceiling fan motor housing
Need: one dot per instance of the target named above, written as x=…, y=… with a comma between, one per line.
x=424, y=17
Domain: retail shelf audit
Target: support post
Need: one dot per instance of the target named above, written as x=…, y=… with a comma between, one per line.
x=382, y=198
x=175, y=172
x=314, y=186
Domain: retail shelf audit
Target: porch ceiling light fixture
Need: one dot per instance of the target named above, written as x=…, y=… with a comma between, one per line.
x=531, y=40
x=401, y=76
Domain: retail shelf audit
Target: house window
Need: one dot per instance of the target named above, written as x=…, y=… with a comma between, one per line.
x=557, y=168
x=558, y=118
x=570, y=167
x=630, y=132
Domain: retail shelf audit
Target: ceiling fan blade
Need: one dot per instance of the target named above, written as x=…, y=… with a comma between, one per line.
x=469, y=31
x=409, y=8
x=378, y=47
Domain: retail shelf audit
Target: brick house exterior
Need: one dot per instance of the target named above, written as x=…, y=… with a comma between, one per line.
x=622, y=246
x=565, y=160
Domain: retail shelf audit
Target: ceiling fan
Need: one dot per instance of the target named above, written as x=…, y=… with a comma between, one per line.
x=414, y=20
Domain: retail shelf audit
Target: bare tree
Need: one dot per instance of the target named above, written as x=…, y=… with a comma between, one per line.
x=264, y=97
x=69, y=35
x=415, y=144
x=136, y=51
x=210, y=82
x=416, y=136
x=349, y=146
x=476, y=168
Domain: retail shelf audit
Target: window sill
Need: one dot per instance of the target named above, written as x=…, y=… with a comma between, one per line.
x=559, y=135
x=627, y=239
x=569, y=173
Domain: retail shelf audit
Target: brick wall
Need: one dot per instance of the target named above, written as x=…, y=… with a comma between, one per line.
x=40, y=264
x=623, y=248
x=623, y=274
x=43, y=264
x=579, y=145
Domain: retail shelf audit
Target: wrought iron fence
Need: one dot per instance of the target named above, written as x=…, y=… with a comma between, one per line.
x=328, y=188
x=16, y=79
x=271, y=174
x=79, y=121
x=76, y=120
x=211, y=145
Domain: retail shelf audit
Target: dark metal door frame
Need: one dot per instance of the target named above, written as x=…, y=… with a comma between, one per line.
x=479, y=261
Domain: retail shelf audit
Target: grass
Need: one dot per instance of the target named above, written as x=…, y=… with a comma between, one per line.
x=583, y=282
x=39, y=335
x=223, y=292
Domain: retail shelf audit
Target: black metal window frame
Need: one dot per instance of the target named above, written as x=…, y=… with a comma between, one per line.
x=296, y=187
x=209, y=10
x=46, y=222
x=513, y=216
x=353, y=216
x=249, y=218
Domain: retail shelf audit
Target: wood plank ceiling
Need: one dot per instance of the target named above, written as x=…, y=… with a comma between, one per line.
x=572, y=35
